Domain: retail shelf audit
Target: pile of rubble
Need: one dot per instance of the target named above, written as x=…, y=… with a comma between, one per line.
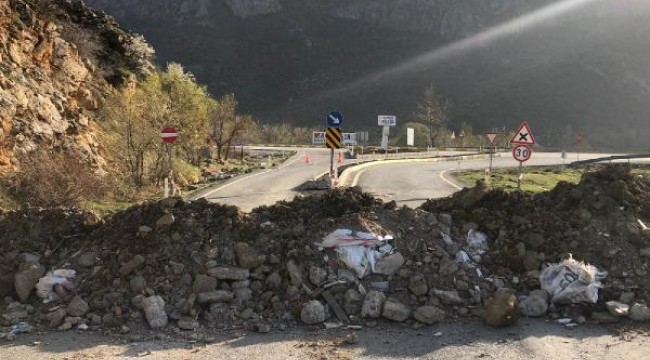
x=342, y=258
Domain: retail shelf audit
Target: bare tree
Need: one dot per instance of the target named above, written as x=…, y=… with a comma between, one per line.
x=432, y=111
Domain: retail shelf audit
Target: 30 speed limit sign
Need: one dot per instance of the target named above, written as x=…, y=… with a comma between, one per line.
x=522, y=153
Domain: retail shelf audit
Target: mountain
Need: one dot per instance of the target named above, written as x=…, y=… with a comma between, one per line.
x=59, y=59
x=566, y=66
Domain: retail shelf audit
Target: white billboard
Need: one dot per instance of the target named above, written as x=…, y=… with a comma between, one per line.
x=387, y=120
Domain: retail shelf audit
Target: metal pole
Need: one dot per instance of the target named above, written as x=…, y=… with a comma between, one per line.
x=491, y=155
x=331, y=162
x=521, y=175
x=171, y=172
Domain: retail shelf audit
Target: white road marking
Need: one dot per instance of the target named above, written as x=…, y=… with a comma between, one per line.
x=442, y=176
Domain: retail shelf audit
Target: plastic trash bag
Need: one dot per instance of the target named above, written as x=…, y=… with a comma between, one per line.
x=476, y=243
x=45, y=285
x=358, y=258
x=572, y=281
x=347, y=237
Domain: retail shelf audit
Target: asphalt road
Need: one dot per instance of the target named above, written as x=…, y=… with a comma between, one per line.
x=269, y=186
x=411, y=183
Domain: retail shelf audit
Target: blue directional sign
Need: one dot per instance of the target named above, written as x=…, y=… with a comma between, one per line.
x=334, y=119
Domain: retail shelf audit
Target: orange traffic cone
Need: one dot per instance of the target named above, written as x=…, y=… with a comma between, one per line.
x=307, y=159
x=340, y=157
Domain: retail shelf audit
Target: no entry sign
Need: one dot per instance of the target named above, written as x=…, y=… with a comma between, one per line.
x=168, y=135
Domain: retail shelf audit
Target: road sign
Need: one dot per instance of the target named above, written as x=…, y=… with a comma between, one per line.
x=453, y=135
x=410, y=136
x=333, y=137
x=334, y=119
x=168, y=135
x=349, y=138
x=387, y=120
x=522, y=153
x=523, y=136
x=578, y=137
x=491, y=136
x=318, y=137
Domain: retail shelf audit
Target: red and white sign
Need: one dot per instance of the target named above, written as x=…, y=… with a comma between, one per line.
x=168, y=135
x=522, y=153
x=523, y=136
x=491, y=137
x=578, y=138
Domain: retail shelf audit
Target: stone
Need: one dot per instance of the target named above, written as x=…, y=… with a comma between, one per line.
x=187, y=323
x=312, y=313
x=535, y=305
x=131, y=265
x=617, y=309
x=501, y=309
x=373, y=304
x=165, y=220
x=87, y=259
x=137, y=300
x=429, y=315
x=154, y=312
x=137, y=284
x=110, y=320
x=352, y=300
x=217, y=296
x=418, y=285
x=229, y=273
x=639, y=313
x=263, y=327
x=56, y=317
x=534, y=240
x=242, y=284
x=295, y=274
x=273, y=281
x=144, y=230
x=447, y=297
x=396, y=311
x=243, y=294
x=317, y=275
x=390, y=264
x=203, y=284
x=26, y=279
x=604, y=317
x=247, y=257
x=68, y=323
x=177, y=268
x=627, y=297
x=77, y=307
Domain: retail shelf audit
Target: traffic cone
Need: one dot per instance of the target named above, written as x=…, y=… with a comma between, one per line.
x=307, y=159
x=340, y=157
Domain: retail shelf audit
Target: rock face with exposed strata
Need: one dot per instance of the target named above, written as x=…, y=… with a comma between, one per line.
x=58, y=60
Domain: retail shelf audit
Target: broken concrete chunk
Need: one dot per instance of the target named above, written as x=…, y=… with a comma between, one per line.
x=229, y=273
x=204, y=283
x=617, y=309
x=396, y=311
x=77, y=307
x=294, y=273
x=131, y=265
x=373, y=304
x=312, y=313
x=429, y=315
x=535, y=305
x=317, y=275
x=447, y=297
x=390, y=264
x=247, y=257
x=154, y=311
x=218, y=296
x=639, y=313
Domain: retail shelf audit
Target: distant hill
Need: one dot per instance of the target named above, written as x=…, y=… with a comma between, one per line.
x=578, y=65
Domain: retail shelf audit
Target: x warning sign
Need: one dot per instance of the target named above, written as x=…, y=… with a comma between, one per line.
x=523, y=136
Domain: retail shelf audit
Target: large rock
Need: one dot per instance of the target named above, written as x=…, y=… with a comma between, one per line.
x=418, y=285
x=373, y=304
x=56, y=317
x=217, y=296
x=204, y=283
x=247, y=257
x=352, y=301
x=312, y=313
x=137, y=284
x=229, y=273
x=390, y=264
x=429, y=315
x=501, y=309
x=26, y=279
x=154, y=312
x=77, y=307
x=617, y=309
x=535, y=305
x=396, y=311
x=639, y=313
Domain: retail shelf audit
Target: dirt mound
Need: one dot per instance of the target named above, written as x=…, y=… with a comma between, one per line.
x=596, y=221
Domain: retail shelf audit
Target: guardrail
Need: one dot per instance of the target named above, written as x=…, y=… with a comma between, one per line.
x=609, y=158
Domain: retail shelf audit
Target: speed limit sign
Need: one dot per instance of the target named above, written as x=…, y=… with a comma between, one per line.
x=522, y=153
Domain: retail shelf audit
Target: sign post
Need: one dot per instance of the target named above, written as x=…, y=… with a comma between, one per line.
x=386, y=121
x=522, y=140
x=578, y=142
x=169, y=135
x=491, y=136
x=333, y=137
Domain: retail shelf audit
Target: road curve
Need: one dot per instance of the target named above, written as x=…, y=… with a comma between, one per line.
x=412, y=183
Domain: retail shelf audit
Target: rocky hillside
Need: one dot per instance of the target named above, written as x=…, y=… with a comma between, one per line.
x=59, y=58
x=574, y=66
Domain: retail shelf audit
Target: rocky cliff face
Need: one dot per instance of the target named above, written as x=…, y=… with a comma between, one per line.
x=58, y=59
